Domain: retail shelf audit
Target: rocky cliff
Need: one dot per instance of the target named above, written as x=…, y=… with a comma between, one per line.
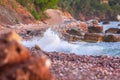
x=11, y=12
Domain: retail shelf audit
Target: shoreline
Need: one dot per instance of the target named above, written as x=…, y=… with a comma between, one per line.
x=81, y=67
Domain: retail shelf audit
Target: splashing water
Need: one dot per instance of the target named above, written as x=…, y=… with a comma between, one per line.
x=51, y=42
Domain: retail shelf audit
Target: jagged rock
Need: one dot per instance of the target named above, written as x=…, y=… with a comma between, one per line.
x=16, y=63
x=35, y=68
x=112, y=38
x=93, y=37
x=97, y=29
x=113, y=30
x=11, y=51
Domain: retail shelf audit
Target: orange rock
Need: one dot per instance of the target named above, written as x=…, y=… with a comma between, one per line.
x=17, y=64
x=12, y=50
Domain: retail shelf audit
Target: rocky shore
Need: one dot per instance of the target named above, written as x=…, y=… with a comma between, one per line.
x=82, y=67
x=63, y=66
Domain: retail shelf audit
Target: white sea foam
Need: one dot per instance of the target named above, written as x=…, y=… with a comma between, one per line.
x=51, y=42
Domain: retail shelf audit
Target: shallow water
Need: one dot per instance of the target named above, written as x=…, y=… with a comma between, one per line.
x=51, y=42
x=113, y=24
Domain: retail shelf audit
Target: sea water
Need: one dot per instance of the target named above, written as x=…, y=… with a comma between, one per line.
x=51, y=42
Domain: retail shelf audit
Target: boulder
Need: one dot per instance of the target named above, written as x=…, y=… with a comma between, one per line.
x=37, y=47
x=97, y=29
x=74, y=31
x=113, y=30
x=71, y=38
x=57, y=16
x=93, y=37
x=16, y=63
x=81, y=25
x=73, y=34
x=112, y=38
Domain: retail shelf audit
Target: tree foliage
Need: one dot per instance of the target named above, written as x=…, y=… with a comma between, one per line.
x=90, y=7
x=86, y=7
x=37, y=7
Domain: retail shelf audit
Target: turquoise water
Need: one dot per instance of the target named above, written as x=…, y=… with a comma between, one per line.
x=51, y=42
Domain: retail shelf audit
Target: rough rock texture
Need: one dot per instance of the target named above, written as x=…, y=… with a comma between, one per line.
x=113, y=30
x=97, y=29
x=93, y=37
x=112, y=38
x=74, y=67
x=74, y=31
x=16, y=63
x=12, y=12
x=57, y=16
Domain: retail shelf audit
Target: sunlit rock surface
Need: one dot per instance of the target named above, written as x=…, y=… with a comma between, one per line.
x=16, y=63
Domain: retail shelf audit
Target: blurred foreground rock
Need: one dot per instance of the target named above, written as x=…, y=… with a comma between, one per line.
x=16, y=63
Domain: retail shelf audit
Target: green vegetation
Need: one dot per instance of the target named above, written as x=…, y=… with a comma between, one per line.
x=90, y=7
x=37, y=7
x=86, y=7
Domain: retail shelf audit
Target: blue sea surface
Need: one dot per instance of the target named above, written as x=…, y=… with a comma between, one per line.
x=51, y=42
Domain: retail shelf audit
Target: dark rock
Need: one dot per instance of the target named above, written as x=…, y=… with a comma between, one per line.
x=33, y=33
x=106, y=22
x=113, y=30
x=93, y=37
x=69, y=37
x=118, y=24
x=112, y=38
x=74, y=31
x=97, y=29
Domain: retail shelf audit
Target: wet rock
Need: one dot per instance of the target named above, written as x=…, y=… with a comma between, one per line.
x=73, y=34
x=113, y=30
x=74, y=31
x=33, y=33
x=106, y=22
x=70, y=38
x=118, y=24
x=112, y=38
x=96, y=29
x=93, y=37
x=37, y=47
